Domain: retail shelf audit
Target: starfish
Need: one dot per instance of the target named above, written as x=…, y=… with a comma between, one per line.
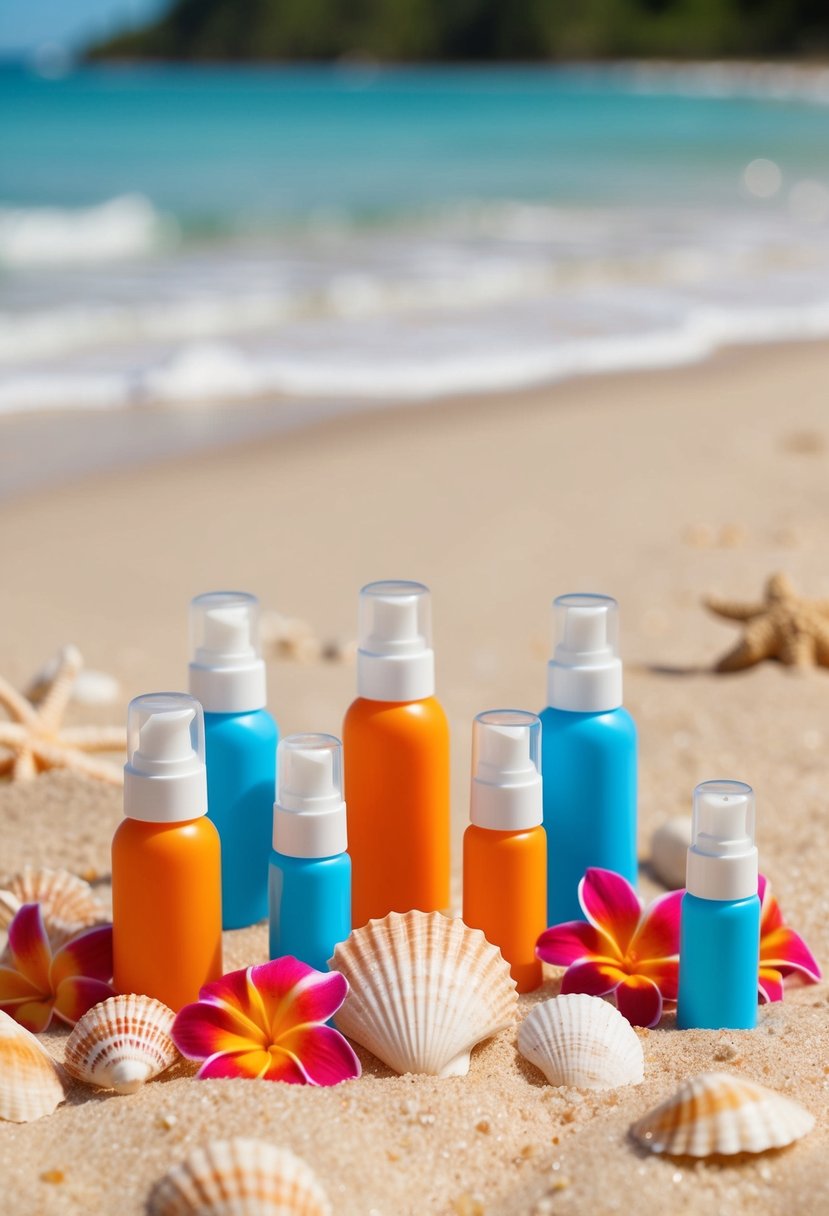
x=783, y=626
x=34, y=739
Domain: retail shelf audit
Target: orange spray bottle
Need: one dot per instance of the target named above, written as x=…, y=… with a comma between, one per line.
x=166, y=857
x=396, y=753
x=505, y=846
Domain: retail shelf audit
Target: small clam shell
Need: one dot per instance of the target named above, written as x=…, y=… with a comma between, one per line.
x=582, y=1040
x=716, y=1113
x=239, y=1178
x=424, y=990
x=122, y=1043
x=30, y=1081
x=88, y=688
x=67, y=903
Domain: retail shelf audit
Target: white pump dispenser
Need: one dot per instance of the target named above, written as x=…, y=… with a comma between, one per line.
x=722, y=859
x=585, y=673
x=165, y=779
x=309, y=818
x=506, y=771
x=395, y=660
x=227, y=673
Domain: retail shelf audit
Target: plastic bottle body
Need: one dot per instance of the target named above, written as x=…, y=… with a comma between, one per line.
x=719, y=957
x=505, y=895
x=241, y=778
x=590, y=790
x=397, y=792
x=310, y=906
x=166, y=908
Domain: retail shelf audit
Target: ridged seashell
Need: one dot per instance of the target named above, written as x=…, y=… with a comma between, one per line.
x=30, y=1082
x=581, y=1040
x=122, y=1043
x=716, y=1113
x=669, y=851
x=67, y=903
x=423, y=991
x=239, y=1178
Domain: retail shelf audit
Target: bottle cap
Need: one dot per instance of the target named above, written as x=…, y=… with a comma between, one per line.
x=165, y=780
x=722, y=859
x=309, y=813
x=227, y=673
x=506, y=771
x=395, y=660
x=585, y=673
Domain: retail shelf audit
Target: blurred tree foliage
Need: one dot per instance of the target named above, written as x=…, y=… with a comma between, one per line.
x=477, y=29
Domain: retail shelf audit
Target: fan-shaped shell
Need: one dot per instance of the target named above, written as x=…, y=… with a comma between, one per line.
x=423, y=991
x=239, y=1178
x=716, y=1113
x=67, y=903
x=122, y=1043
x=581, y=1040
x=30, y=1081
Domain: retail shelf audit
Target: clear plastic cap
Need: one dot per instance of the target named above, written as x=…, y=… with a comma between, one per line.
x=164, y=777
x=309, y=813
x=585, y=673
x=395, y=660
x=506, y=770
x=226, y=671
x=722, y=859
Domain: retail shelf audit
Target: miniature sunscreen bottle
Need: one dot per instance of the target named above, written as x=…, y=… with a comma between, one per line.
x=227, y=675
x=310, y=870
x=166, y=865
x=396, y=747
x=589, y=754
x=719, y=950
x=505, y=846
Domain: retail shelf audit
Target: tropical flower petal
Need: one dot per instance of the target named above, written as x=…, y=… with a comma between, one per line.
x=786, y=950
x=610, y=903
x=249, y=1064
x=771, y=917
x=593, y=977
x=658, y=934
x=89, y=954
x=664, y=972
x=236, y=993
x=294, y=993
x=33, y=1015
x=284, y=1066
x=16, y=989
x=571, y=942
x=639, y=1000
x=77, y=994
x=324, y=1055
x=770, y=985
x=202, y=1030
x=29, y=946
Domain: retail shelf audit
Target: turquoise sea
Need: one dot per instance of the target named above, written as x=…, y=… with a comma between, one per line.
x=177, y=234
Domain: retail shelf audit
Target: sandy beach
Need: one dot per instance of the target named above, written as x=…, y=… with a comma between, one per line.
x=658, y=488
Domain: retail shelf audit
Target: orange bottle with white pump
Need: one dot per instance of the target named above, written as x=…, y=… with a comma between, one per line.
x=505, y=846
x=166, y=857
x=396, y=753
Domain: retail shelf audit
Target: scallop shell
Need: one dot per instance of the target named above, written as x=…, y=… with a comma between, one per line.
x=581, y=1040
x=239, y=1178
x=122, y=1043
x=716, y=1113
x=30, y=1081
x=67, y=903
x=423, y=991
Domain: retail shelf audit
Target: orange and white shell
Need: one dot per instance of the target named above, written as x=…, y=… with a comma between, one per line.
x=717, y=1114
x=239, y=1177
x=68, y=904
x=30, y=1080
x=121, y=1043
x=582, y=1040
x=423, y=991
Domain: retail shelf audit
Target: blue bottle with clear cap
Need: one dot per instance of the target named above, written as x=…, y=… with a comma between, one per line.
x=227, y=675
x=589, y=754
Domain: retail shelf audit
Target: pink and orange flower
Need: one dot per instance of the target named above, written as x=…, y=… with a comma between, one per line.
x=619, y=950
x=39, y=984
x=269, y=1022
x=783, y=952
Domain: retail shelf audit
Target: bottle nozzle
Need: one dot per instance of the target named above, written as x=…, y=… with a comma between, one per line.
x=395, y=660
x=585, y=673
x=164, y=777
x=227, y=673
x=722, y=859
x=506, y=770
x=164, y=738
x=309, y=812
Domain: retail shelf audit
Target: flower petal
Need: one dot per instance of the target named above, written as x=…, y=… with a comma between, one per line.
x=89, y=954
x=236, y=993
x=664, y=972
x=295, y=994
x=250, y=1064
x=323, y=1054
x=33, y=1015
x=610, y=903
x=786, y=950
x=770, y=985
x=593, y=977
x=15, y=989
x=571, y=942
x=202, y=1030
x=658, y=934
x=77, y=994
x=639, y=1000
x=29, y=946
x=771, y=916
x=284, y=1066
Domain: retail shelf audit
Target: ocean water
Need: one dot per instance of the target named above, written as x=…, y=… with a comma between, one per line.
x=182, y=235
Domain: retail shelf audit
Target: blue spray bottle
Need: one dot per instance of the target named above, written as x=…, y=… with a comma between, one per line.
x=310, y=871
x=719, y=950
x=227, y=674
x=589, y=754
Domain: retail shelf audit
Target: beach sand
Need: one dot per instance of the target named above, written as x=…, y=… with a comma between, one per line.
x=654, y=487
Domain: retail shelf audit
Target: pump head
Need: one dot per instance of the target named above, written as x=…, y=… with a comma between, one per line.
x=585, y=673
x=395, y=660
x=226, y=672
x=506, y=770
x=164, y=777
x=309, y=812
x=722, y=859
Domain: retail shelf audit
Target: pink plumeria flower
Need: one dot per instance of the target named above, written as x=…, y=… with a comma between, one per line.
x=619, y=949
x=39, y=984
x=269, y=1022
x=782, y=951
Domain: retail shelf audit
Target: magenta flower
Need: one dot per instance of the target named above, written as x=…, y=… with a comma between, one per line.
x=619, y=949
x=782, y=951
x=39, y=984
x=269, y=1022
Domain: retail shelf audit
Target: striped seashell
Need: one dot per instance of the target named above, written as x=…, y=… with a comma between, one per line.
x=67, y=903
x=30, y=1080
x=581, y=1040
x=122, y=1043
x=239, y=1178
x=424, y=990
x=717, y=1114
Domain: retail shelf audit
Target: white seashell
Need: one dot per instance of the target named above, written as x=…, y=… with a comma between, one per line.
x=122, y=1043
x=716, y=1113
x=89, y=687
x=424, y=990
x=67, y=903
x=30, y=1081
x=239, y=1178
x=669, y=851
x=581, y=1040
